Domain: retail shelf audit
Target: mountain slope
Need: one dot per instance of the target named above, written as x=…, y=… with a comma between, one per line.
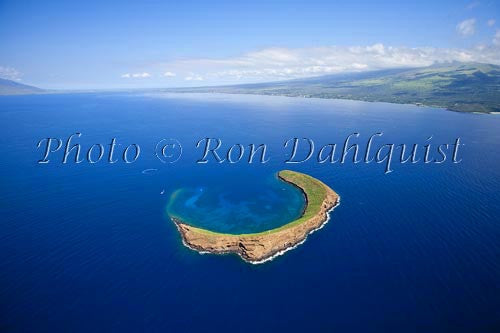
x=8, y=87
x=468, y=87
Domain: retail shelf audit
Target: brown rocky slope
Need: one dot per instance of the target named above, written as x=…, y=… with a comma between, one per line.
x=259, y=247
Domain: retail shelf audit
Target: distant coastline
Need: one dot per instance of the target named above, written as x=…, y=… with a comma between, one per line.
x=260, y=247
x=462, y=87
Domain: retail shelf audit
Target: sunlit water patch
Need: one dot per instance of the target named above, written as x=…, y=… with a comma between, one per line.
x=224, y=209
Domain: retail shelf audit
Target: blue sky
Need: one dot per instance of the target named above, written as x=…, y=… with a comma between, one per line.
x=120, y=44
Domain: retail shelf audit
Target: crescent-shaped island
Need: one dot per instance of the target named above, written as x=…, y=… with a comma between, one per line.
x=262, y=246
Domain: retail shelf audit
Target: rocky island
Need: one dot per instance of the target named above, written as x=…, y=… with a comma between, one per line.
x=262, y=246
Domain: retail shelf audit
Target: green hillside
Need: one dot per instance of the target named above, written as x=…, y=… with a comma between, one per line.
x=468, y=87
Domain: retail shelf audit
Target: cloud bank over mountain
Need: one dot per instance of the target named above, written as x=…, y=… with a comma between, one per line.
x=287, y=63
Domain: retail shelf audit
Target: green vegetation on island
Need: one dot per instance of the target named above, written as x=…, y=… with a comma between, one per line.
x=259, y=247
x=314, y=193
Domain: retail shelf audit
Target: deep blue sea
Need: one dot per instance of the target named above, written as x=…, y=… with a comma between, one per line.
x=90, y=247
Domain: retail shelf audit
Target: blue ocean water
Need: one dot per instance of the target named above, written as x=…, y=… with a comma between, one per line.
x=231, y=210
x=89, y=247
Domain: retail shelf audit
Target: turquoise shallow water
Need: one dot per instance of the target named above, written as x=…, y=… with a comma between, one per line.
x=224, y=209
x=90, y=247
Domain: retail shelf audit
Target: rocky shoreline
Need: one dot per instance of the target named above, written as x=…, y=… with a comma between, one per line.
x=260, y=247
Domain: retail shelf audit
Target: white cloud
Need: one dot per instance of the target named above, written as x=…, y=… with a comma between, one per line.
x=491, y=22
x=496, y=38
x=359, y=66
x=136, y=75
x=169, y=74
x=193, y=77
x=467, y=27
x=473, y=5
x=10, y=73
x=287, y=63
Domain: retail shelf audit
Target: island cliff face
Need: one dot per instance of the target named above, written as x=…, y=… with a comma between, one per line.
x=259, y=247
